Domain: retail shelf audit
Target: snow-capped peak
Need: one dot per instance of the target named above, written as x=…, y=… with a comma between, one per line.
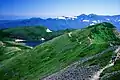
x=61, y=17
x=48, y=30
x=67, y=17
x=71, y=16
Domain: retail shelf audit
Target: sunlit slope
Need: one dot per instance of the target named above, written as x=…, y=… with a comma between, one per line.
x=8, y=49
x=60, y=52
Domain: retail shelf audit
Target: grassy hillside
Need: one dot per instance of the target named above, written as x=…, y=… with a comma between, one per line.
x=60, y=52
x=4, y=35
x=9, y=49
x=33, y=33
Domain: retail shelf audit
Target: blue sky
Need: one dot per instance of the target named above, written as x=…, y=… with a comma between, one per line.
x=52, y=8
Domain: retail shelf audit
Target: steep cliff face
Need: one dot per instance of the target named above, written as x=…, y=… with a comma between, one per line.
x=77, y=55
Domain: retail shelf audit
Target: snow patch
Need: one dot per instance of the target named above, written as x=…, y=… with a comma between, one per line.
x=70, y=17
x=85, y=20
x=92, y=24
x=94, y=21
x=19, y=40
x=42, y=39
x=67, y=17
x=48, y=30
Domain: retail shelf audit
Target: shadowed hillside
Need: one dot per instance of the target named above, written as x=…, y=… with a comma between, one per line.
x=33, y=33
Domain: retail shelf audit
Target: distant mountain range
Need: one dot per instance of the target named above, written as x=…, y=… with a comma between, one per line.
x=60, y=23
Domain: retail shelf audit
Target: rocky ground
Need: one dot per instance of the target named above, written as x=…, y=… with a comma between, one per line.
x=77, y=71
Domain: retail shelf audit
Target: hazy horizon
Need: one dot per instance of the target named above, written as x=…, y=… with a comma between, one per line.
x=12, y=9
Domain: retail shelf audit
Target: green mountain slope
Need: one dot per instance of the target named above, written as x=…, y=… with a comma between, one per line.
x=33, y=33
x=58, y=53
x=8, y=49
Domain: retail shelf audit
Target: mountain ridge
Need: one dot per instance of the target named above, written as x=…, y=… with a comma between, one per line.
x=63, y=22
x=58, y=53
